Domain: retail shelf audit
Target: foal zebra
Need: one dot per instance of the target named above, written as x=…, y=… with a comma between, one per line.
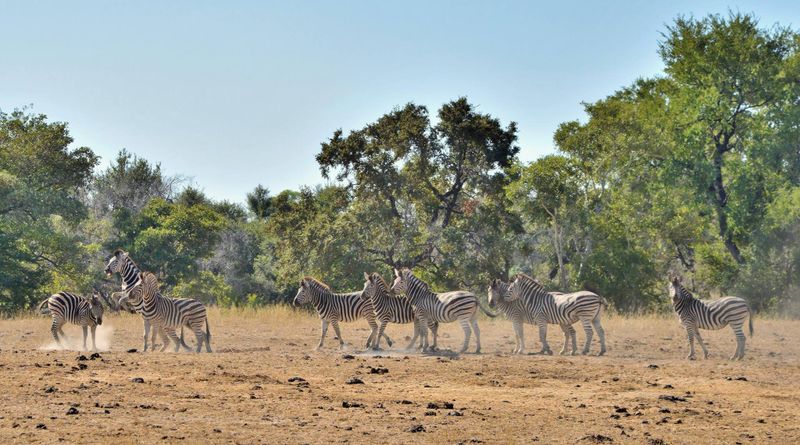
x=333, y=308
x=70, y=308
x=561, y=309
x=519, y=312
x=389, y=308
x=695, y=315
x=165, y=314
x=430, y=307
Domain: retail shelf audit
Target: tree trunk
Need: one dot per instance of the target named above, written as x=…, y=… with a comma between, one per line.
x=720, y=199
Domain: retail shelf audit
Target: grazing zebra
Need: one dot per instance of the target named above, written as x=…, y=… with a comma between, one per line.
x=696, y=314
x=70, y=308
x=333, y=308
x=389, y=308
x=165, y=314
x=561, y=309
x=430, y=307
x=519, y=312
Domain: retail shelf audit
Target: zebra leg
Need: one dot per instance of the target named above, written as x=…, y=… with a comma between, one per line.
x=94, y=345
x=54, y=329
x=543, y=338
x=587, y=327
x=388, y=340
x=702, y=344
x=377, y=345
x=324, y=331
x=85, y=330
x=567, y=338
x=372, y=334
x=740, y=342
x=690, y=334
x=199, y=335
x=335, y=324
x=147, y=333
x=435, y=331
x=474, y=322
x=172, y=336
x=520, y=347
x=417, y=329
x=574, y=339
x=601, y=334
x=467, y=331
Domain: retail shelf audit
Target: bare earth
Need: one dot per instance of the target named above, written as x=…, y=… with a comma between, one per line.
x=642, y=392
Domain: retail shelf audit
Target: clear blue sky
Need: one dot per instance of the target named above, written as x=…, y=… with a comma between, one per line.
x=235, y=93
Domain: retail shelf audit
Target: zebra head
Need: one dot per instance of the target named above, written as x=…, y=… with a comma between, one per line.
x=400, y=281
x=676, y=290
x=521, y=285
x=116, y=262
x=498, y=292
x=302, y=296
x=96, y=308
x=369, y=287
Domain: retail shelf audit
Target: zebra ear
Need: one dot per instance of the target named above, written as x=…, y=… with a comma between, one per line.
x=367, y=277
x=397, y=272
x=303, y=283
x=494, y=284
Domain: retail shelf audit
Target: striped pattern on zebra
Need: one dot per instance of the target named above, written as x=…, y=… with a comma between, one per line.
x=389, y=308
x=518, y=312
x=334, y=307
x=65, y=307
x=561, y=309
x=164, y=314
x=114, y=302
x=461, y=306
x=695, y=314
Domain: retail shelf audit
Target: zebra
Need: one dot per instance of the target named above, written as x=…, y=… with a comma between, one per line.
x=70, y=308
x=165, y=314
x=695, y=314
x=431, y=307
x=114, y=303
x=333, y=308
x=561, y=309
x=389, y=308
x=518, y=311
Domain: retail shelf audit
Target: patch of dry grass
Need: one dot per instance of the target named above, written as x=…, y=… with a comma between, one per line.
x=641, y=392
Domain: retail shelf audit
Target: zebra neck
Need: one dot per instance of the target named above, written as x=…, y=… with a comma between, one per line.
x=418, y=290
x=131, y=276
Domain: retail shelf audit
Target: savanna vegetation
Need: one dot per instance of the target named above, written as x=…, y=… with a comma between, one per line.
x=695, y=171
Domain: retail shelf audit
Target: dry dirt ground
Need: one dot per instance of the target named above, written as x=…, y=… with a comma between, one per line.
x=265, y=384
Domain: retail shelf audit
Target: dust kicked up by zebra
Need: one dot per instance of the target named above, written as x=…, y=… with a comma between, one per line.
x=519, y=311
x=430, y=307
x=389, y=308
x=65, y=307
x=333, y=308
x=562, y=309
x=164, y=314
x=695, y=314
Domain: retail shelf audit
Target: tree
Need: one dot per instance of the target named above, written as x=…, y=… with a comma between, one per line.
x=259, y=202
x=728, y=73
x=41, y=182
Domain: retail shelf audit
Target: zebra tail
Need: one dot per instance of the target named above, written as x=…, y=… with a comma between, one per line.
x=486, y=311
x=750, y=323
x=43, y=308
x=208, y=333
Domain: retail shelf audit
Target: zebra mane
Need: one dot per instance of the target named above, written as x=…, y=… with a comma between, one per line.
x=532, y=280
x=685, y=294
x=416, y=279
x=377, y=276
x=317, y=282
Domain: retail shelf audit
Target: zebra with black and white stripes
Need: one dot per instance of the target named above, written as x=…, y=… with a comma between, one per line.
x=70, y=308
x=430, y=307
x=563, y=309
x=519, y=312
x=335, y=307
x=695, y=314
x=163, y=313
x=389, y=308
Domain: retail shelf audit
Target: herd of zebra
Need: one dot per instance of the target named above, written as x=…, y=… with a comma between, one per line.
x=408, y=300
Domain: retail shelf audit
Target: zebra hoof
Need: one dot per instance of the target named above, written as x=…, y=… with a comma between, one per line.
x=690, y=357
x=601, y=353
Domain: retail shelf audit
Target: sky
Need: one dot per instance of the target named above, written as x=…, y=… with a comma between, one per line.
x=234, y=94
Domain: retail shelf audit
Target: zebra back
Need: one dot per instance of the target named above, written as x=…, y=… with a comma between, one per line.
x=333, y=306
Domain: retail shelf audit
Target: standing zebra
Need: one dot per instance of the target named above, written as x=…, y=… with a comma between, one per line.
x=519, y=311
x=430, y=307
x=389, y=308
x=70, y=308
x=333, y=308
x=695, y=314
x=165, y=314
x=561, y=309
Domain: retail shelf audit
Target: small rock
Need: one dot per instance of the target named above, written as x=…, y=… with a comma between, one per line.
x=81, y=358
x=72, y=411
x=354, y=381
x=455, y=413
x=430, y=413
x=217, y=430
x=672, y=398
x=378, y=370
x=132, y=350
x=296, y=379
x=137, y=380
x=50, y=389
x=346, y=404
x=41, y=426
x=417, y=429
x=620, y=409
x=94, y=356
x=348, y=357
x=597, y=438
x=652, y=366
